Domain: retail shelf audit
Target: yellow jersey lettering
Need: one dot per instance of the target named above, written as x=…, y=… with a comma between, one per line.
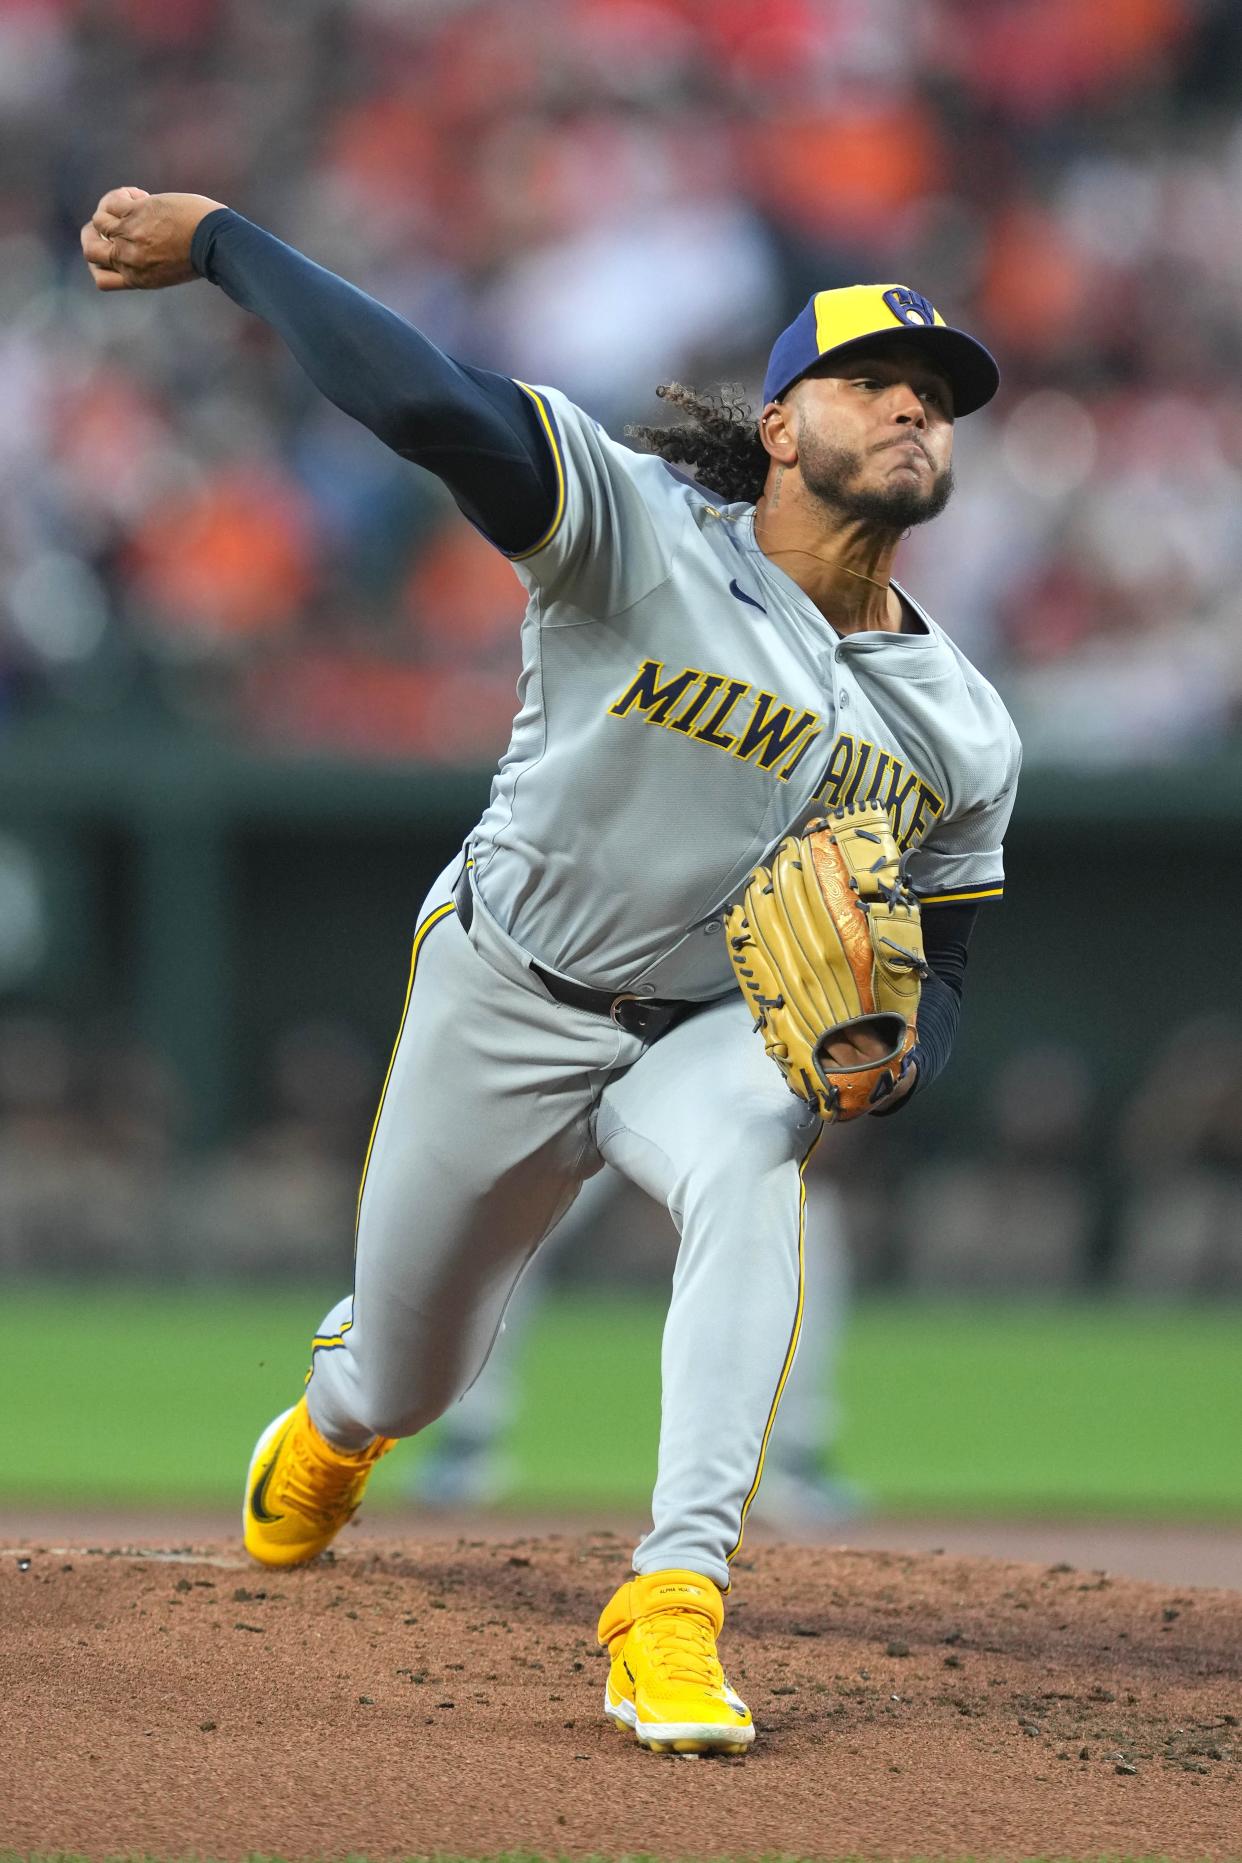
x=652, y=698
x=877, y=780
x=899, y=794
x=926, y=810
x=857, y=769
x=712, y=683
x=773, y=737
x=710, y=733
x=864, y=757
x=789, y=768
x=840, y=757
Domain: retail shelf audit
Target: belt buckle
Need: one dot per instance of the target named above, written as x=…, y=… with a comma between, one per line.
x=619, y=1002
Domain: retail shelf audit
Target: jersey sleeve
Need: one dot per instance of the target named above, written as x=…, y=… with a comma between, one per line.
x=617, y=519
x=961, y=860
x=477, y=431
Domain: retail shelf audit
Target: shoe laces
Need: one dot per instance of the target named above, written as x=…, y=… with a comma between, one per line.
x=683, y=1645
x=322, y=1487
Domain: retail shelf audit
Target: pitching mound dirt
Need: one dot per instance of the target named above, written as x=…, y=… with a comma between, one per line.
x=402, y=1701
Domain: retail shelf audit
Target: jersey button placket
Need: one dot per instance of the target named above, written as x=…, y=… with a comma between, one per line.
x=842, y=687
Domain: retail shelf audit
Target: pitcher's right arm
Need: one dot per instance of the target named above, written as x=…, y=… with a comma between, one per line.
x=477, y=431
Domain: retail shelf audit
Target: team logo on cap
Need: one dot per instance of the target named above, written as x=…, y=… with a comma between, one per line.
x=910, y=307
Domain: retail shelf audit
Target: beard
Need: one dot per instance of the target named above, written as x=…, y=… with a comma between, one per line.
x=831, y=473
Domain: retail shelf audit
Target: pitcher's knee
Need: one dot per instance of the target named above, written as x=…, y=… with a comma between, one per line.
x=399, y=1418
x=753, y=1166
x=380, y=1404
x=764, y=1136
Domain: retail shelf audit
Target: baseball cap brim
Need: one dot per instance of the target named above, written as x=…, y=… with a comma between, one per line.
x=970, y=368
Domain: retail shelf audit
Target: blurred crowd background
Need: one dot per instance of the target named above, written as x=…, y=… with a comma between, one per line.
x=1053, y=1189
x=599, y=194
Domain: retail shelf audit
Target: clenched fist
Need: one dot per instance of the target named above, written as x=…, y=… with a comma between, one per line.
x=135, y=241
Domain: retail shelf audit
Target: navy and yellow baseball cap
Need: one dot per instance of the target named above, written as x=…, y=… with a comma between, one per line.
x=835, y=322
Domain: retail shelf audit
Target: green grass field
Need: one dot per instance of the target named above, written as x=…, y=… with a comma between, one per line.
x=133, y=1396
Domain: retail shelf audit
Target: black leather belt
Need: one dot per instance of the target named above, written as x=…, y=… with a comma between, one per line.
x=645, y=1016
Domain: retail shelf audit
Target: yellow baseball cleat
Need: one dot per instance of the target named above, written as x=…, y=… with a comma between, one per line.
x=666, y=1685
x=300, y=1490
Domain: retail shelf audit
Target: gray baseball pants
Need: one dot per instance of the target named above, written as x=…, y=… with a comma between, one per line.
x=499, y=1102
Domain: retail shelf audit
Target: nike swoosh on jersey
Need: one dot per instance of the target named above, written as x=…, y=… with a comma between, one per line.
x=742, y=596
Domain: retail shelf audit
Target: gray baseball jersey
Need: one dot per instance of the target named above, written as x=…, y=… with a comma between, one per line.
x=683, y=704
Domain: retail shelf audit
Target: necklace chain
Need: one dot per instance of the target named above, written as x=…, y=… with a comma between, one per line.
x=858, y=574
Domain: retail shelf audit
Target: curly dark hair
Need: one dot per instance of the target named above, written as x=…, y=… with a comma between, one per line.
x=720, y=440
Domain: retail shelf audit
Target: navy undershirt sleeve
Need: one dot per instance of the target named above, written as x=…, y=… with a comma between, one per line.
x=477, y=431
x=946, y=941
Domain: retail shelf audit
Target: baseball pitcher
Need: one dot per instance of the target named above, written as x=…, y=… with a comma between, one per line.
x=720, y=897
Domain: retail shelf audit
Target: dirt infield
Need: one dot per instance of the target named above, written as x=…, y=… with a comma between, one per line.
x=404, y=1699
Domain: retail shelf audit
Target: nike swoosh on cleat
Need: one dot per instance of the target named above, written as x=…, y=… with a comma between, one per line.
x=742, y=596
x=258, y=1495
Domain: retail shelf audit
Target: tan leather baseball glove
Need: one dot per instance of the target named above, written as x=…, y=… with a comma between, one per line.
x=827, y=946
